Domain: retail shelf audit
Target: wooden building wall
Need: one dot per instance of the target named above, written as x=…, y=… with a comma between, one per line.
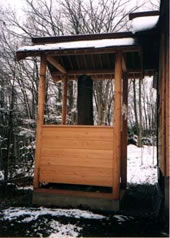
x=163, y=92
x=164, y=105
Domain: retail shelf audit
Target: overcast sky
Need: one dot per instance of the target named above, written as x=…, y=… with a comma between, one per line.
x=13, y=3
x=19, y=4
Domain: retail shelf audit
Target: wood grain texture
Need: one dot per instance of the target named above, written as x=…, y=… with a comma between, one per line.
x=40, y=118
x=56, y=64
x=117, y=126
x=76, y=175
x=124, y=134
x=77, y=155
x=167, y=123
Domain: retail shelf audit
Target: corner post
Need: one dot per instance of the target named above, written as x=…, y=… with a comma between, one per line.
x=40, y=118
x=64, y=106
x=124, y=133
x=117, y=127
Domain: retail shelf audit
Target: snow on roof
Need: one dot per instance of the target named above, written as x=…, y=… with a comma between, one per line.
x=80, y=44
x=144, y=23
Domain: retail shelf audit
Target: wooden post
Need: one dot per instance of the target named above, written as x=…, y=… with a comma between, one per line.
x=167, y=126
x=40, y=118
x=117, y=127
x=64, y=108
x=162, y=104
x=124, y=133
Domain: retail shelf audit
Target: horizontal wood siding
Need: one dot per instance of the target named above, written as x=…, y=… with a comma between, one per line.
x=77, y=155
x=164, y=107
x=167, y=110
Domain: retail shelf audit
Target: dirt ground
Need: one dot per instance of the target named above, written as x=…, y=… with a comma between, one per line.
x=138, y=207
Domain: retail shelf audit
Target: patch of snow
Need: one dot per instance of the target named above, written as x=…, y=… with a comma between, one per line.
x=25, y=188
x=80, y=44
x=32, y=213
x=144, y=23
x=142, y=165
x=23, y=173
x=61, y=230
x=165, y=234
x=122, y=218
x=29, y=121
x=26, y=132
x=74, y=109
x=1, y=175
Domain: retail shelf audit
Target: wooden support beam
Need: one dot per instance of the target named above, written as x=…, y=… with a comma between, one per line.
x=167, y=126
x=117, y=126
x=124, y=133
x=162, y=106
x=64, y=108
x=56, y=64
x=99, y=36
x=143, y=14
x=96, y=72
x=124, y=68
x=40, y=118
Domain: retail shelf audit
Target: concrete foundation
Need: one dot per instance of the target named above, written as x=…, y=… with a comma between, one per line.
x=65, y=200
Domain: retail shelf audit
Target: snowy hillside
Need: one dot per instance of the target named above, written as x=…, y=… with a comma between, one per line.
x=142, y=165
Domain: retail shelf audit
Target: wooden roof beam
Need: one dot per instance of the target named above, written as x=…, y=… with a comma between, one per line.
x=52, y=53
x=68, y=38
x=124, y=67
x=143, y=14
x=95, y=72
x=56, y=64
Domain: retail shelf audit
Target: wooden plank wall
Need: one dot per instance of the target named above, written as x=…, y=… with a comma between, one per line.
x=77, y=155
x=164, y=108
x=167, y=116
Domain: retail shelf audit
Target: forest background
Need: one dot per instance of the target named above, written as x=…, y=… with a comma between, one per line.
x=19, y=80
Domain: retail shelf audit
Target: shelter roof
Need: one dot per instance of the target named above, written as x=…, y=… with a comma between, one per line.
x=93, y=54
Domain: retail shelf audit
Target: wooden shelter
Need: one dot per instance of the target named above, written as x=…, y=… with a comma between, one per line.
x=88, y=155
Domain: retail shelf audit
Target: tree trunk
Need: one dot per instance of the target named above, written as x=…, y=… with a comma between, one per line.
x=135, y=106
x=85, y=100
x=140, y=116
x=9, y=139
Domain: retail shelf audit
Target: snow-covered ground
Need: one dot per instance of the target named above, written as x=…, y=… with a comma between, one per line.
x=142, y=165
x=55, y=228
x=33, y=214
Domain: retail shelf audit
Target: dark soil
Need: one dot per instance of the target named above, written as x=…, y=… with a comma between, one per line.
x=138, y=206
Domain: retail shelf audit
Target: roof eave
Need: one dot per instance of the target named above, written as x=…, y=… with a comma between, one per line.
x=69, y=38
x=61, y=52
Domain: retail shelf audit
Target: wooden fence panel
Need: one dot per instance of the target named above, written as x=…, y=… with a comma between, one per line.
x=77, y=155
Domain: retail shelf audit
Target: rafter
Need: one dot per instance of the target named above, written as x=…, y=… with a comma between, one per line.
x=56, y=64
